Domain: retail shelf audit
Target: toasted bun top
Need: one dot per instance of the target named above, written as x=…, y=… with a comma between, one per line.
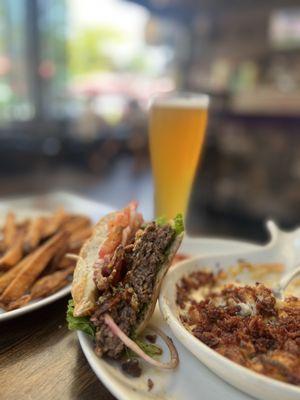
x=84, y=291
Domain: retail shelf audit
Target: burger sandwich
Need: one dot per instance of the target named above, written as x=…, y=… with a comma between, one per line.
x=117, y=281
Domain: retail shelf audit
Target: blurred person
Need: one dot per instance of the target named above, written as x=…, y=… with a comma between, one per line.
x=134, y=121
x=93, y=139
x=90, y=125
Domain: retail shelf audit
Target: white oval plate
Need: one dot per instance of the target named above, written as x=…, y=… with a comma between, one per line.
x=191, y=377
x=34, y=305
x=283, y=248
x=36, y=205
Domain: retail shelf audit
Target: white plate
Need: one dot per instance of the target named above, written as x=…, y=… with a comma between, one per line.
x=37, y=205
x=283, y=248
x=191, y=380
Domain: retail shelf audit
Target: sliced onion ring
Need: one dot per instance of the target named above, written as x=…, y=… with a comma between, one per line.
x=136, y=349
x=72, y=256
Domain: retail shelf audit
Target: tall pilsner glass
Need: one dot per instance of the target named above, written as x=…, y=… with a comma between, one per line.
x=177, y=125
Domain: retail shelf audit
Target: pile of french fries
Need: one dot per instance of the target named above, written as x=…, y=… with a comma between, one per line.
x=34, y=261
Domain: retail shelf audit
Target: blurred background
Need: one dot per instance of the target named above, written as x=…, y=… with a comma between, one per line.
x=76, y=77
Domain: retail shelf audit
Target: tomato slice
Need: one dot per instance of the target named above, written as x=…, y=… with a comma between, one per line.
x=127, y=221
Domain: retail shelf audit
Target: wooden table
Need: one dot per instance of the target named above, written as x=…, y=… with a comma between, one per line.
x=41, y=359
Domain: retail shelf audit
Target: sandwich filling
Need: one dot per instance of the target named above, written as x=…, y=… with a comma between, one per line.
x=126, y=281
x=126, y=275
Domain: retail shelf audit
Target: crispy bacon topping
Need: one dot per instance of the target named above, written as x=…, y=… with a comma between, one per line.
x=108, y=269
x=245, y=324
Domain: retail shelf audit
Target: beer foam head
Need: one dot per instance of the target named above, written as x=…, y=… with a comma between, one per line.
x=181, y=101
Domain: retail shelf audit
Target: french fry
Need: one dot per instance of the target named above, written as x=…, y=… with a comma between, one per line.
x=28, y=274
x=2, y=246
x=45, y=268
x=65, y=263
x=53, y=223
x=24, y=225
x=10, y=229
x=10, y=275
x=13, y=254
x=57, y=258
x=34, y=234
x=78, y=237
x=49, y=284
x=76, y=223
x=21, y=302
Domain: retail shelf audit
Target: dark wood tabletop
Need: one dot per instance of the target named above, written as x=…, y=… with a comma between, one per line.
x=41, y=359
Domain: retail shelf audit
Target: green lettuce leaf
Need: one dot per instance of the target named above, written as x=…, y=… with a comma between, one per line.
x=178, y=224
x=161, y=221
x=151, y=349
x=79, y=323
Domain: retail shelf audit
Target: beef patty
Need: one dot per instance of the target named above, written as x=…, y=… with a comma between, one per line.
x=127, y=301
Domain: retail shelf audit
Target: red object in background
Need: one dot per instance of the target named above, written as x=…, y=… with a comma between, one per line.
x=5, y=65
x=129, y=85
x=179, y=257
x=46, y=69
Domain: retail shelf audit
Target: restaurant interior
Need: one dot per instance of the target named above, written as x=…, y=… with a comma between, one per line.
x=76, y=79
x=106, y=105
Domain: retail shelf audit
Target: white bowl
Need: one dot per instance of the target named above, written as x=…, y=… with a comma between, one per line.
x=283, y=248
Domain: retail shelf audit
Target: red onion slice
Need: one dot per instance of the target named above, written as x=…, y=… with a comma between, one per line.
x=136, y=349
x=72, y=256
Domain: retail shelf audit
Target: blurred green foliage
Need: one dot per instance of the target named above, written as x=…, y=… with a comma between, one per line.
x=87, y=50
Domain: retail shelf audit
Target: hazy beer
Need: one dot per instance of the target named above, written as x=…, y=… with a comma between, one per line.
x=177, y=127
